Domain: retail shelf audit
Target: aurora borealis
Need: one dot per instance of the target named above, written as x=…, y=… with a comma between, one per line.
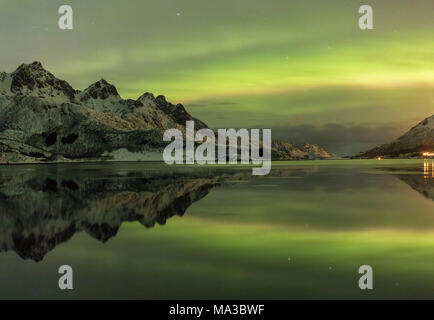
x=302, y=68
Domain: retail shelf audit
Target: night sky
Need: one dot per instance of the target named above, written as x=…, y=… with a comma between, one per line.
x=303, y=68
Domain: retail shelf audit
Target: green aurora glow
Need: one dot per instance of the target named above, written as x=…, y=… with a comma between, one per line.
x=303, y=68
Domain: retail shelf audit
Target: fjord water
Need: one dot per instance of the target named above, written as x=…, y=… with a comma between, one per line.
x=148, y=231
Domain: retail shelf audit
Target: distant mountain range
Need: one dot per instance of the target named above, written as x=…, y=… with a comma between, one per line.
x=44, y=119
x=413, y=143
x=282, y=150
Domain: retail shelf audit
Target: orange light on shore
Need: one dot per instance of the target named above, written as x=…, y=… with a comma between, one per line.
x=428, y=154
x=379, y=158
x=428, y=169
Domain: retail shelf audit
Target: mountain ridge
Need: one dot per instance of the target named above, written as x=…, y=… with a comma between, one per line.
x=417, y=140
x=44, y=119
x=283, y=150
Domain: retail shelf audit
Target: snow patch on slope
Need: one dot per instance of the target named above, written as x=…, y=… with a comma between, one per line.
x=128, y=156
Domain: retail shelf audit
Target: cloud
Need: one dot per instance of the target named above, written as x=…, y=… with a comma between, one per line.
x=338, y=138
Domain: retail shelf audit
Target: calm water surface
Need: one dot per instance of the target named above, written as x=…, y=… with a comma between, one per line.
x=134, y=230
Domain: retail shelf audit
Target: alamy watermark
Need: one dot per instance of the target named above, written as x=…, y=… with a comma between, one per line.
x=66, y=280
x=366, y=21
x=66, y=19
x=366, y=281
x=231, y=146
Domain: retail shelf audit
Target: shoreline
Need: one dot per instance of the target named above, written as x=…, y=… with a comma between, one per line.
x=275, y=162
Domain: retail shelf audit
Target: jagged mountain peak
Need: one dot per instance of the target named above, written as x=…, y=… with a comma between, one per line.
x=161, y=99
x=35, y=65
x=33, y=70
x=33, y=80
x=147, y=96
x=100, y=90
x=176, y=112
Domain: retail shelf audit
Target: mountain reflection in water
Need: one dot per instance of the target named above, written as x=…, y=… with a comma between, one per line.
x=43, y=206
x=422, y=183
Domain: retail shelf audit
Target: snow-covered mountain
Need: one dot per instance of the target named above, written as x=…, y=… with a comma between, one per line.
x=418, y=139
x=42, y=118
x=282, y=150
